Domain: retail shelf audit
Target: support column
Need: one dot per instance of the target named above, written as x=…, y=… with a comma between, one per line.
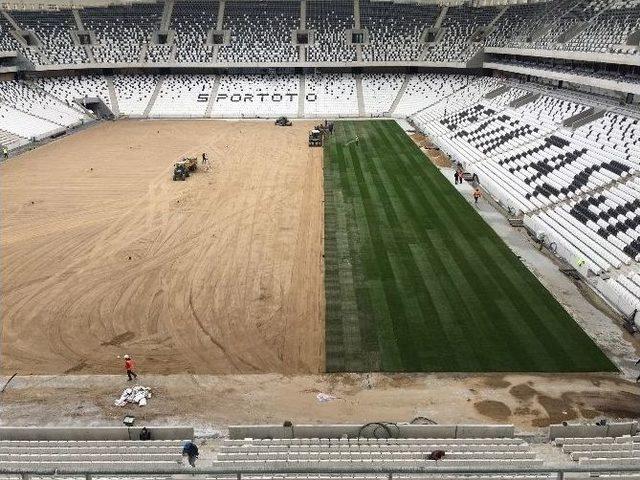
x=302, y=49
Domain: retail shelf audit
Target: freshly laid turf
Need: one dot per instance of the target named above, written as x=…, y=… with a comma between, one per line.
x=417, y=281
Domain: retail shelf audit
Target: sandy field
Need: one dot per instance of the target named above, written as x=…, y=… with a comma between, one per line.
x=103, y=254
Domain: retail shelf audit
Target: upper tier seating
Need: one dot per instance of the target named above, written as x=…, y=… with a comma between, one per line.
x=515, y=22
x=54, y=31
x=459, y=24
x=178, y=96
x=379, y=90
x=330, y=20
x=260, y=31
x=609, y=30
x=395, y=29
x=261, y=96
x=159, y=53
x=191, y=22
x=122, y=30
x=7, y=42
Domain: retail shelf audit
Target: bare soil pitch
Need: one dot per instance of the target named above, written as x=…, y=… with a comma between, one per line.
x=103, y=254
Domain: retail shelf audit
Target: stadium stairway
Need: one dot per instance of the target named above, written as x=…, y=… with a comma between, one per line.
x=113, y=98
x=154, y=96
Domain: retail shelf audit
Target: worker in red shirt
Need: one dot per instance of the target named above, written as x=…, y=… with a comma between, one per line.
x=129, y=366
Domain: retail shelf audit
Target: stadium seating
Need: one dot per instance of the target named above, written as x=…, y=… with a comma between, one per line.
x=134, y=92
x=122, y=30
x=330, y=21
x=70, y=89
x=24, y=125
x=37, y=103
x=459, y=25
x=395, y=30
x=11, y=140
x=379, y=91
x=53, y=29
x=7, y=42
x=334, y=95
x=391, y=451
x=594, y=451
x=433, y=95
x=191, y=22
x=260, y=32
x=179, y=96
x=257, y=96
x=611, y=29
x=110, y=454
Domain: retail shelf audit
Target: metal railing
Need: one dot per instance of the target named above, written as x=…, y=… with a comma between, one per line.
x=384, y=471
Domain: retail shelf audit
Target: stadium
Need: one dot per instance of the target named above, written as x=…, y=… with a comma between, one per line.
x=319, y=239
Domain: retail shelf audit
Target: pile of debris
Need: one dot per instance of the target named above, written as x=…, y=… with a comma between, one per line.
x=137, y=394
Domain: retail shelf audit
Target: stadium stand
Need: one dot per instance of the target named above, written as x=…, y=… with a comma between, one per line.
x=429, y=90
x=70, y=89
x=37, y=103
x=23, y=125
x=261, y=96
x=330, y=22
x=53, y=29
x=179, y=96
x=7, y=42
x=395, y=30
x=460, y=23
x=467, y=452
x=260, y=31
x=134, y=92
x=609, y=31
x=121, y=31
x=191, y=21
x=335, y=95
x=267, y=451
x=106, y=448
x=517, y=20
x=379, y=90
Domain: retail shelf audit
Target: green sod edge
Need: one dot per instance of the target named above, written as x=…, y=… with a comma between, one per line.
x=417, y=281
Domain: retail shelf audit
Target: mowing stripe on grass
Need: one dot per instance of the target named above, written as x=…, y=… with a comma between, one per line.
x=417, y=281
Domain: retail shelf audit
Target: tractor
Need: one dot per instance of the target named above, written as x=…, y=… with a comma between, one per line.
x=315, y=138
x=184, y=167
x=283, y=122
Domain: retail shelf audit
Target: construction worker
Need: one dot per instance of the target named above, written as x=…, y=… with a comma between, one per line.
x=5, y=152
x=190, y=450
x=129, y=365
x=476, y=195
